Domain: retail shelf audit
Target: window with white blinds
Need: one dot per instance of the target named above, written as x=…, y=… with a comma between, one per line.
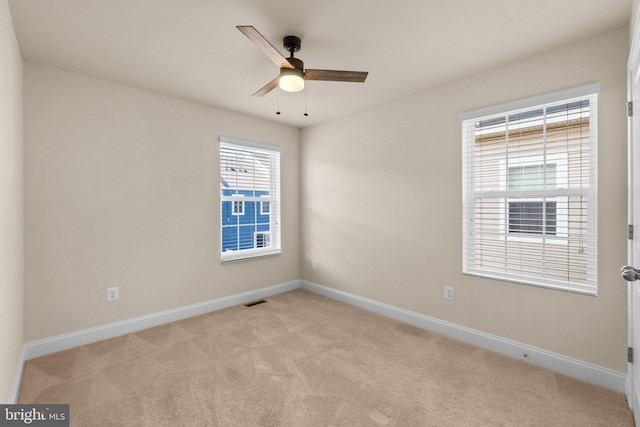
x=249, y=199
x=530, y=191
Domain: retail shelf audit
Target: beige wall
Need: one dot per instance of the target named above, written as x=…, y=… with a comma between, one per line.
x=11, y=200
x=635, y=4
x=122, y=189
x=381, y=206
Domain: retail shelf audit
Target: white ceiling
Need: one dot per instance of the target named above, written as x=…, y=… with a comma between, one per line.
x=191, y=49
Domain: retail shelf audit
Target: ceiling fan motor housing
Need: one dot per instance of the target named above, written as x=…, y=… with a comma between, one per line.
x=297, y=63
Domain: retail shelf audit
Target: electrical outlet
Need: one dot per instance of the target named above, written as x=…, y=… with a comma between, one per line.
x=113, y=294
x=449, y=293
x=314, y=264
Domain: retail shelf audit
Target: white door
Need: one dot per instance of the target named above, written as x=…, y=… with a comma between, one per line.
x=630, y=273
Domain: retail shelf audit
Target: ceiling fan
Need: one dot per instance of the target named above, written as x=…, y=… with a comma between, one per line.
x=292, y=71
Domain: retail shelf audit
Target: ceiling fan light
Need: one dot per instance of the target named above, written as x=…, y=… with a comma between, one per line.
x=291, y=80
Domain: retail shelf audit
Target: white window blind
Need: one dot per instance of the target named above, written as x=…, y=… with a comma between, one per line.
x=530, y=191
x=249, y=199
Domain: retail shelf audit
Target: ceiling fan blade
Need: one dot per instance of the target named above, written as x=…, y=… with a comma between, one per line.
x=268, y=87
x=264, y=45
x=336, y=76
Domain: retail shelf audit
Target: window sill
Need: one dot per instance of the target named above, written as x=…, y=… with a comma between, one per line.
x=248, y=254
x=575, y=288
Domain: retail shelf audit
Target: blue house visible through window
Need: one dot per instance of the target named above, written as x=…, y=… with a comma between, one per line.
x=245, y=224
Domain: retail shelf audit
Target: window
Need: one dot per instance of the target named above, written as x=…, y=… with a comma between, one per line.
x=532, y=216
x=264, y=208
x=237, y=207
x=249, y=199
x=530, y=191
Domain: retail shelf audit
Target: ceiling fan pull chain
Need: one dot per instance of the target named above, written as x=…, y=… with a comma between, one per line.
x=278, y=112
x=306, y=92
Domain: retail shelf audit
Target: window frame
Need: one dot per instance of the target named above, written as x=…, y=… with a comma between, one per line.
x=253, y=221
x=562, y=181
x=471, y=196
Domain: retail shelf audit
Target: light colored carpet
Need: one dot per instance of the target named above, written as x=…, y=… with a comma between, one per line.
x=301, y=359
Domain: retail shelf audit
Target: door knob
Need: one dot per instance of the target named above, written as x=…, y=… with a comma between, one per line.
x=629, y=273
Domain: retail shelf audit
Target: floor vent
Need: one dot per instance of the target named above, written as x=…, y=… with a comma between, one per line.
x=251, y=304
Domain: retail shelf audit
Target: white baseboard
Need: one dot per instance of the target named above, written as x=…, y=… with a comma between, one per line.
x=17, y=380
x=573, y=367
x=585, y=371
x=57, y=343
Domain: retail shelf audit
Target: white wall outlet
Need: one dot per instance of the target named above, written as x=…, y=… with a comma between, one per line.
x=314, y=264
x=449, y=293
x=113, y=294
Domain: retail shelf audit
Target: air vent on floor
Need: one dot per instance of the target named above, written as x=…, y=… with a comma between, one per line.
x=251, y=304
